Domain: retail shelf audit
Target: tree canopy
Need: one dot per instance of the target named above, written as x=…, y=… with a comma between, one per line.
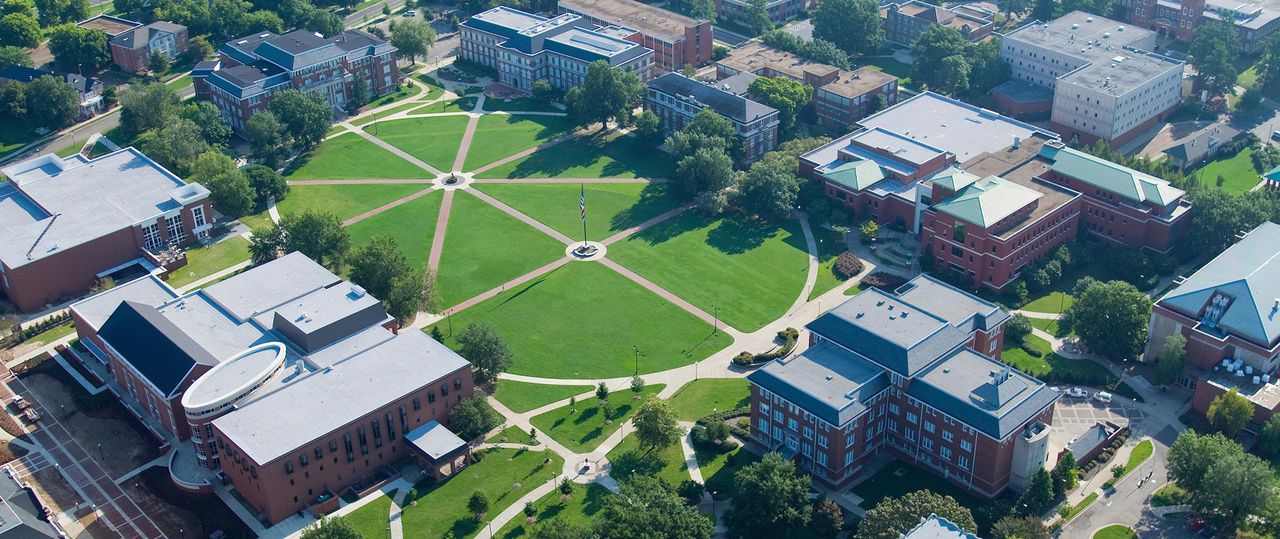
x=1229, y=412
x=147, y=106
x=1220, y=477
x=769, y=189
x=1171, y=360
x=51, y=102
x=1111, y=318
x=413, y=37
x=333, y=527
x=472, y=417
x=229, y=189
x=19, y=30
x=606, y=93
x=771, y=498
x=786, y=95
x=1213, y=53
x=852, y=25
x=647, y=507
x=77, y=49
x=306, y=117
x=484, y=348
x=656, y=424
x=319, y=235
x=895, y=516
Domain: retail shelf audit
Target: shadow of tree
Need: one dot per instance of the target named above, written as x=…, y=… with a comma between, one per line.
x=637, y=461
x=739, y=235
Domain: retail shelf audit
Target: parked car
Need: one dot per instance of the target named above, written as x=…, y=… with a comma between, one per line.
x=1195, y=523
x=20, y=403
x=410, y=13
x=1102, y=396
x=1077, y=392
x=1275, y=135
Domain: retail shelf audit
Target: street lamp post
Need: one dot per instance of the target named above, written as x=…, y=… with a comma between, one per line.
x=715, y=328
x=637, y=349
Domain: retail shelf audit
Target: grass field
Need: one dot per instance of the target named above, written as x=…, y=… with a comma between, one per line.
x=521, y=397
x=1080, y=507
x=52, y=334
x=611, y=207
x=351, y=157
x=513, y=435
x=485, y=247
x=434, y=140
x=629, y=458
x=462, y=104
x=1115, y=531
x=583, y=431
x=501, y=135
x=1236, y=169
x=442, y=507
x=1053, y=368
x=586, y=501
x=718, y=467
x=409, y=105
x=700, y=398
x=412, y=224
x=830, y=245
x=405, y=92
x=890, y=66
x=583, y=320
x=344, y=201
x=596, y=156
x=205, y=261
x=1139, y=455
x=372, y=519
x=751, y=271
x=1051, y=303
x=519, y=104
x=15, y=134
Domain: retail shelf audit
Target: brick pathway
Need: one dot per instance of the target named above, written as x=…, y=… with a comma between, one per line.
x=359, y=182
x=387, y=206
x=442, y=225
x=568, y=180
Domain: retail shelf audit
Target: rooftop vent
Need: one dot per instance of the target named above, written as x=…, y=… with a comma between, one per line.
x=1088, y=19
x=1075, y=26
x=1120, y=28
x=879, y=303
x=859, y=315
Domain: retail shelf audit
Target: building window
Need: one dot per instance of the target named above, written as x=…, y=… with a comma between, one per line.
x=946, y=435
x=793, y=424
x=945, y=452
x=912, y=418
x=151, y=237
x=966, y=446
x=176, y=234
x=288, y=467
x=927, y=444
x=963, y=462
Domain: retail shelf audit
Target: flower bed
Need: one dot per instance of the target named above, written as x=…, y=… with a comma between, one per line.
x=789, y=338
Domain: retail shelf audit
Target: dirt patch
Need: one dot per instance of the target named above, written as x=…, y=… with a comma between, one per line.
x=202, y=513
x=55, y=491
x=108, y=426
x=10, y=451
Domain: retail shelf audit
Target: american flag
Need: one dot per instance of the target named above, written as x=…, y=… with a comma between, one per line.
x=582, y=201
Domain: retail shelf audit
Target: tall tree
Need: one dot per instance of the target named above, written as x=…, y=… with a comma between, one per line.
x=1038, y=495
x=656, y=424
x=198, y=48
x=484, y=348
x=1269, y=437
x=645, y=507
x=333, y=527
x=376, y=265
x=472, y=417
x=23, y=7
x=158, y=63
x=703, y=9
x=1028, y=527
x=852, y=25
x=413, y=37
x=1111, y=318
x=771, y=498
x=893, y=517
x=11, y=55
x=19, y=30
x=1213, y=53
x=268, y=140
x=229, y=190
x=705, y=131
x=1172, y=359
x=267, y=184
x=13, y=100
x=782, y=93
x=318, y=235
x=55, y=12
x=1229, y=412
x=648, y=128
x=930, y=54
x=1044, y=10
x=1192, y=454
x=758, y=20
x=306, y=117
x=176, y=146
x=606, y=93
x=261, y=21
x=1221, y=215
x=51, y=102
x=213, y=127
x=80, y=50
x=326, y=22
x=769, y=189
x=478, y=505
x=1269, y=67
x=706, y=170
x=1237, y=487
x=359, y=95
x=827, y=520
x=147, y=106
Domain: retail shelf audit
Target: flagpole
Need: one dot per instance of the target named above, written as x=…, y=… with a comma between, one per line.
x=582, y=202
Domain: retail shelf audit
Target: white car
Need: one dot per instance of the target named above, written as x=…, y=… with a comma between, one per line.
x=1078, y=392
x=1102, y=396
x=410, y=13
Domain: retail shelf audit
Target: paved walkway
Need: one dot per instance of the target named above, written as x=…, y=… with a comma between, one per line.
x=536, y=224
x=442, y=226
x=387, y=206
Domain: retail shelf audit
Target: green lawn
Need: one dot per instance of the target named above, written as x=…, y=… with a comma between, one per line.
x=1053, y=368
x=1051, y=303
x=1050, y=325
x=15, y=134
x=442, y=507
x=485, y=247
x=1080, y=507
x=1115, y=531
x=583, y=431
x=411, y=224
x=597, y=156
x=898, y=478
x=520, y=104
x=1139, y=455
x=345, y=201
x=890, y=66
x=351, y=157
x=434, y=140
x=372, y=519
x=368, y=119
x=584, y=320
x=52, y=334
x=513, y=435
x=700, y=398
x=586, y=501
x=435, y=90
x=667, y=464
x=405, y=92
x=259, y=220
x=1236, y=169
x=462, y=104
x=521, y=397
x=751, y=271
x=205, y=261
x=501, y=135
x=830, y=245
x=1170, y=494
x=718, y=467
x=611, y=207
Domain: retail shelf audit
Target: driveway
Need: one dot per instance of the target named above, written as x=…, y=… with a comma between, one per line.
x=1262, y=125
x=1128, y=503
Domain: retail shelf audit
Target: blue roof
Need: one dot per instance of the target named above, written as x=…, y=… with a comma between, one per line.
x=153, y=345
x=959, y=308
x=825, y=380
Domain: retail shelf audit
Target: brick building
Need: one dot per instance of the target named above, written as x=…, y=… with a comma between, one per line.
x=905, y=21
x=989, y=195
x=840, y=97
x=288, y=380
x=131, y=51
x=71, y=221
x=1254, y=21
x=250, y=69
x=913, y=375
x=1227, y=310
x=675, y=99
x=676, y=40
x=523, y=47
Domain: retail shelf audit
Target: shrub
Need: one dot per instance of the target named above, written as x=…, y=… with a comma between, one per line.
x=789, y=337
x=691, y=491
x=884, y=281
x=1018, y=328
x=848, y=265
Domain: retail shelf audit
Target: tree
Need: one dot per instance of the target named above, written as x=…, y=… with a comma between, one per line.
x=318, y=235
x=1044, y=10
x=1269, y=67
x=1192, y=454
x=691, y=491
x=333, y=527
x=606, y=93
x=648, y=128
x=1229, y=412
x=1220, y=216
x=637, y=384
x=306, y=117
x=602, y=392
x=786, y=95
x=1028, y=527
x=261, y=21
x=478, y=505
x=10, y=55
x=543, y=91
x=159, y=62
x=77, y=49
x=703, y=9
x=1018, y=328
x=268, y=141
x=1065, y=474
x=1111, y=318
x=1213, y=52
x=769, y=189
x=213, y=127
x=485, y=349
x=229, y=190
x=705, y=131
x=198, y=48
x=771, y=498
x=326, y=22
x=413, y=37
x=55, y=12
x=852, y=25
x=13, y=100
x=986, y=68
x=561, y=528
x=1172, y=359
x=656, y=425
x=51, y=102
x=827, y=520
x=473, y=417
x=758, y=20
x=359, y=95
x=19, y=30
x=147, y=106
x=952, y=75
x=266, y=183
x=1236, y=487
x=1269, y=437
x=894, y=516
x=929, y=55
x=1038, y=495
x=376, y=265
x=176, y=146
x=646, y=506
x=705, y=170
x=23, y=7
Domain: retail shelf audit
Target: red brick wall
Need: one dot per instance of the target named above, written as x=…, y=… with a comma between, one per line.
x=988, y=260
x=69, y=273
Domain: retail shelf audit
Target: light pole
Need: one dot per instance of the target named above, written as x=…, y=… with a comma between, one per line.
x=715, y=328
x=100, y=455
x=637, y=349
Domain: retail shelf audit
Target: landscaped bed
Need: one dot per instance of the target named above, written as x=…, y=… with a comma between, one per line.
x=1115, y=531
x=521, y=397
x=350, y=157
x=583, y=320
x=511, y=435
x=585, y=429
x=611, y=207
x=442, y=506
x=200, y=514
x=609, y=155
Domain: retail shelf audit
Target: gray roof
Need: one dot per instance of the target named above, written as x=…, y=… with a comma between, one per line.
x=297, y=49
x=952, y=125
x=825, y=380
x=724, y=103
x=138, y=38
x=268, y=286
x=1248, y=275
x=52, y=204
x=982, y=392
x=154, y=345
x=737, y=84
x=936, y=527
x=149, y=290
x=895, y=334
x=278, y=423
x=961, y=309
x=21, y=516
x=434, y=440
x=327, y=315
x=1205, y=142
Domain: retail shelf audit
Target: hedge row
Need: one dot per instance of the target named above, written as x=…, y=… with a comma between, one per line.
x=726, y=415
x=20, y=336
x=789, y=338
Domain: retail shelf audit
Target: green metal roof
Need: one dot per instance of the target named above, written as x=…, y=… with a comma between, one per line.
x=1123, y=181
x=987, y=201
x=856, y=175
x=953, y=178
